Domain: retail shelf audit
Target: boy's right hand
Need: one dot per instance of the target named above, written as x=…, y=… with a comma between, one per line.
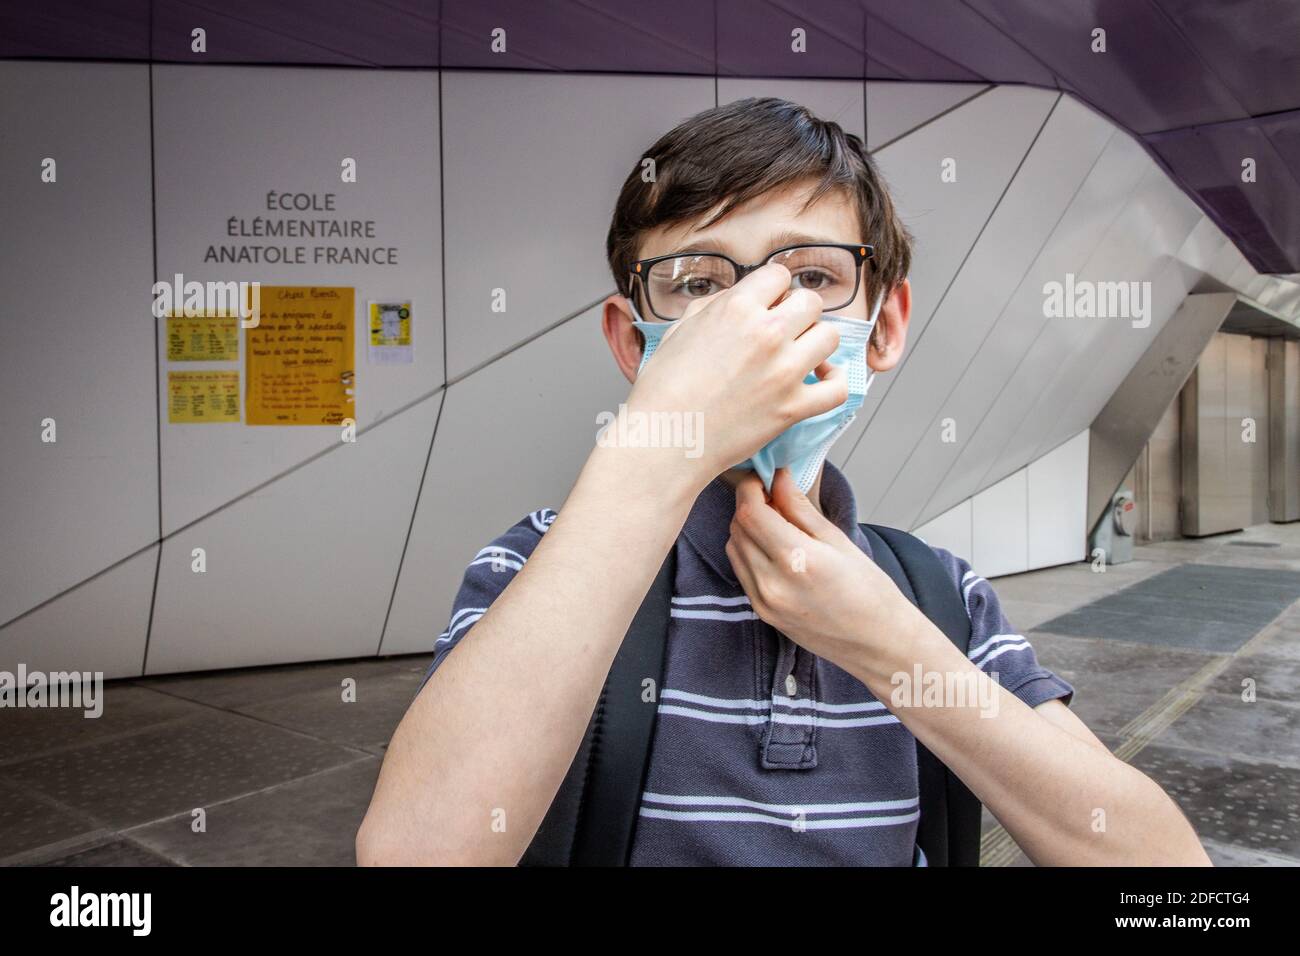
x=740, y=361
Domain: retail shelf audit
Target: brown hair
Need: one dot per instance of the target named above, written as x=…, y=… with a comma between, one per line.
x=733, y=153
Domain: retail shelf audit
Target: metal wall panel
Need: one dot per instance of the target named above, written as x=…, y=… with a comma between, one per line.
x=301, y=570
x=76, y=267
x=1257, y=396
x=1216, y=462
x=533, y=166
x=511, y=440
x=1164, y=478
x=1000, y=527
x=994, y=308
x=1057, y=489
x=1284, y=429
x=1133, y=411
x=990, y=135
x=226, y=136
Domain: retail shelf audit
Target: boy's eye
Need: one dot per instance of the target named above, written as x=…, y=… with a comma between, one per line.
x=814, y=280
x=695, y=287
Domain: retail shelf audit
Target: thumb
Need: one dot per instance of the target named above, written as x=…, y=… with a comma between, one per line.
x=795, y=506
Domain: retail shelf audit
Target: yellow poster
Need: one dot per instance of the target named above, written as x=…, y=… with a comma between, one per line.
x=202, y=338
x=202, y=397
x=390, y=333
x=299, y=366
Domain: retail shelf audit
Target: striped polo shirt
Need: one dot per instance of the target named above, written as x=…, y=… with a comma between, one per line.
x=763, y=753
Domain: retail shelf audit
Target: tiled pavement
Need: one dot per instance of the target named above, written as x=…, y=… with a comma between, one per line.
x=283, y=767
x=1167, y=689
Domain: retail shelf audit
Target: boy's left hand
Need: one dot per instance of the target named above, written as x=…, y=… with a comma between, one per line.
x=806, y=578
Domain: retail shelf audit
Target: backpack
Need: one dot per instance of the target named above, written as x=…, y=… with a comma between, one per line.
x=592, y=820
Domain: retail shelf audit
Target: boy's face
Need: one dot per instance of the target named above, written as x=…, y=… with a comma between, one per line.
x=749, y=234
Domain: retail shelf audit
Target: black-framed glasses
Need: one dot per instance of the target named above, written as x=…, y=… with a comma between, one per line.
x=670, y=283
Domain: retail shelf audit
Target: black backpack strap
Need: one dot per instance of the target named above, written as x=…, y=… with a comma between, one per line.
x=948, y=831
x=592, y=820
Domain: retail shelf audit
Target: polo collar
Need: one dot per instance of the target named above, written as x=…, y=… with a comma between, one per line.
x=708, y=526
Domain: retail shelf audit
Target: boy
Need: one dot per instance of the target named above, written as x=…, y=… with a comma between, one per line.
x=786, y=643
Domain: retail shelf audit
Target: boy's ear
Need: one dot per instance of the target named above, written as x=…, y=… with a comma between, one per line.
x=890, y=335
x=625, y=342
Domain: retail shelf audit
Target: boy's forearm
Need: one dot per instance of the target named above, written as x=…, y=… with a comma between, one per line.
x=476, y=761
x=1064, y=800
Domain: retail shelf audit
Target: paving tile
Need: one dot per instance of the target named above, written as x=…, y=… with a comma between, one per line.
x=1252, y=615
x=1114, y=681
x=368, y=721
x=175, y=767
x=1225, y=854
x=307, y=822
x=114, y=853
x=1250, y=804
x=1276, y=676
x=1211, y=607
x=127, y=709
x=244, y=687
x=1261, y=730
x=28, y=822
x=1095, y=621
x=1281, y=640
x=1027, y=615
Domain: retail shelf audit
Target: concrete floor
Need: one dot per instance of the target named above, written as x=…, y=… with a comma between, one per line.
x=283, y=767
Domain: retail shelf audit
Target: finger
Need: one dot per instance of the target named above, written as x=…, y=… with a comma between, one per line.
x=764, y=525
x=798, y=312
x=829, y=393
x=752, y=555
x=796, y=507
x=744, y=574
x=763, y=287
x=815, y=346
x=696, y=305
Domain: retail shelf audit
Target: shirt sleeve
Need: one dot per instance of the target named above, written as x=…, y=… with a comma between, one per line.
x=486, y=577
x=995, y=646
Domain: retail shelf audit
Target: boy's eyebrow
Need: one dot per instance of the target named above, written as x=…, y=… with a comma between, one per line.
x=779, y=241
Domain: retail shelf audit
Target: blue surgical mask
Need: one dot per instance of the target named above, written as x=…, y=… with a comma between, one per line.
x=804, y=445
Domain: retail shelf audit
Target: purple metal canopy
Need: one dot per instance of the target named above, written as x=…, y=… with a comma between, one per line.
x=1205, y=85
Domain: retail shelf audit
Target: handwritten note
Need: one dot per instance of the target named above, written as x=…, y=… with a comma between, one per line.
x=202, y=339
x=194, y=397
x=300, y=368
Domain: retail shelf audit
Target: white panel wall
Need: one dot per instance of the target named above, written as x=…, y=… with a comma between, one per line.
x=307, y=565
x=988, y=137
x=1026, y=350
x=534, y=165
x=1000, y=527
x=896, y=109
x=1057, y=487
x=1102, y=352
x=511, y=440
x=972, y=343
x=224, y=137
x=302, y=569
x=951, y=530
x=76, y=266
x=99, y=625
x=1033, y=518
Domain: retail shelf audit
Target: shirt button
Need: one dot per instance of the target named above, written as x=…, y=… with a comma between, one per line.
x=791, y=685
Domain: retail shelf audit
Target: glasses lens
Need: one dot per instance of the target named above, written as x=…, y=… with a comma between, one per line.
x=830, y=272
x=672, y=284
